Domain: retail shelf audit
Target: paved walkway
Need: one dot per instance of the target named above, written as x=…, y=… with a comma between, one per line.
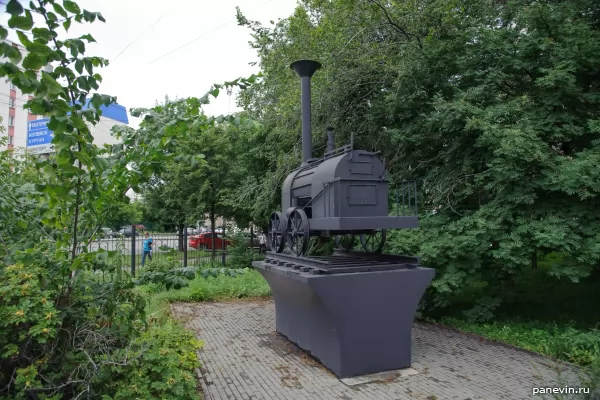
x=244, y=358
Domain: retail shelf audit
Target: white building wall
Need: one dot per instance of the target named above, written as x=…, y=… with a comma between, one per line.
x=20, y=136
x=100, y=132
x=4, y=99
x=21, y=114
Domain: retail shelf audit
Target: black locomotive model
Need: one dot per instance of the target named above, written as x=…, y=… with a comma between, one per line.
x=342, y=194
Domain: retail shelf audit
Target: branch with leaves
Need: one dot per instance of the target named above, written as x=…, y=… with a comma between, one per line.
x=51, y=214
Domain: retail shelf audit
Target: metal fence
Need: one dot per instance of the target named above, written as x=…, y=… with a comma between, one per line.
x=183, y=248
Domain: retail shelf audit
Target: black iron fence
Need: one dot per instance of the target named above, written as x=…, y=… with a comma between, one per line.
x=189, y=249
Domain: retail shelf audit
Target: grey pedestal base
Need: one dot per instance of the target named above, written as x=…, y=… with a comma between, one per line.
x=353, y=323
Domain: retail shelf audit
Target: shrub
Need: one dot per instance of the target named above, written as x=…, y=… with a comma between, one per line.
x=29, y=323
x=578, y=347
x=164, y=360
x=240, y=255
x=160, y=265
x=54, y=339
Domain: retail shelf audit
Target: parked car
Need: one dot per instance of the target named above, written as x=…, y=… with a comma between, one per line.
x=127, y=231
x=107, y=233
x=205, y=241
x=190, y=231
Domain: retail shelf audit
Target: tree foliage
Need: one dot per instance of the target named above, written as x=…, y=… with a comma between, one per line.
x=219, y=184
x=125, y=213
x=492, y=106
x=71, y=323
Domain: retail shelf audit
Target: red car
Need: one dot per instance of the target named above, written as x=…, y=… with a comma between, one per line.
x=205, y=241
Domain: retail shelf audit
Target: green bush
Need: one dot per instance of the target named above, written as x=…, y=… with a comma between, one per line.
x=162, y=264
x=29, y=324
x=157, y=267
x=239, y=254
x=163, y=363
x=578, y=347
x=52, y=339
x=50, y=349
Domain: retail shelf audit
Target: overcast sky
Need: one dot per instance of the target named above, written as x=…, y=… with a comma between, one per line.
x=220, y=53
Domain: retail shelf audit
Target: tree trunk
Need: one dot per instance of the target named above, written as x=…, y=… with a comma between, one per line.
x=212, y=230
x=181, y=244
x=534, y=260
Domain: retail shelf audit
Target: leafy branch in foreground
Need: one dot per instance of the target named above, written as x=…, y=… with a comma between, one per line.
x=70, y=315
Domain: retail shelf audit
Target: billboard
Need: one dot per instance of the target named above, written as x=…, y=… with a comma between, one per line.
x=39, y=137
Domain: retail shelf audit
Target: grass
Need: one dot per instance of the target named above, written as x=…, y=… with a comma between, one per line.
x=248, y=284
x=561, y=342
x=554, y=317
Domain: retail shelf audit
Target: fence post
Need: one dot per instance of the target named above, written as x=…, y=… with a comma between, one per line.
x=133, y=250
x=185, y=244
x=224, y=247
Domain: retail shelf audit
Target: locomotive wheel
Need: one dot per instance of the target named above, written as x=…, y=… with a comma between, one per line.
x=373, y=242
x=298, y=232
x=276, y=232
x=345, y=242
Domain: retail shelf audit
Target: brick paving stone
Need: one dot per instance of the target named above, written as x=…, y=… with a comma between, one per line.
x=244, y=358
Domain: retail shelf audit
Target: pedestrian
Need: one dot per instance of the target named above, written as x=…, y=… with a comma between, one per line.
x=262, y=241
x=147, y=248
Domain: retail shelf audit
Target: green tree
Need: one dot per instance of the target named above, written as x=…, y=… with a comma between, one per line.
x=124, y=214
x=248, y=200
x=492, y=106
x=188, y=192
x=70, y=320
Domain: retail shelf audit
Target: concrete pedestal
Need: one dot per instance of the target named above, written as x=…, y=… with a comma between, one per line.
x=354, y=323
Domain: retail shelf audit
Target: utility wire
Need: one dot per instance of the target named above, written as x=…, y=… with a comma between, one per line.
x=191, y=41
x=141, y=34
x=203, y=35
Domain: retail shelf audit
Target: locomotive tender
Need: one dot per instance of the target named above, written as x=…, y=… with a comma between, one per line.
x=343, y=193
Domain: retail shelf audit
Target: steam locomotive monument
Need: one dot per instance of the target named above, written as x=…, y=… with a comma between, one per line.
x=353, y=311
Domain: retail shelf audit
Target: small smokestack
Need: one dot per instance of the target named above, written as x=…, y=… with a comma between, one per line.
x=330, y=145
x=305, y=69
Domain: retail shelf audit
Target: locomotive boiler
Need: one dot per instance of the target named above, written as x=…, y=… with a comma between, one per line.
x=344, y=193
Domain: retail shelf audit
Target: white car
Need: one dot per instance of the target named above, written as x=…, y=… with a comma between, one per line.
x=107, y=233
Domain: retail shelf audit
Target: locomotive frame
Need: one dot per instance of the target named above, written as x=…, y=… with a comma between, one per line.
x=344, y=193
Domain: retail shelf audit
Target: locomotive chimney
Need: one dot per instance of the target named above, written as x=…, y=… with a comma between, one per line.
x=330, y=145
x=305, y=70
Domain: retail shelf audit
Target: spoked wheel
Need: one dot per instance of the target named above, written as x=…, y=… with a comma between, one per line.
x=345, y=242
x=373, y=242
x=276, y=232
x=298, y=232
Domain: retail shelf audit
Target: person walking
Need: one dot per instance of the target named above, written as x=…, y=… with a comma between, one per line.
x=262, y=241
x=147, y=248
